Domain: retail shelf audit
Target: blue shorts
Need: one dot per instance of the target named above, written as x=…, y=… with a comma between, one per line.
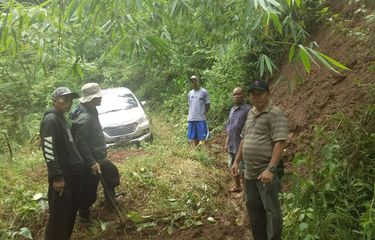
x=197, y=130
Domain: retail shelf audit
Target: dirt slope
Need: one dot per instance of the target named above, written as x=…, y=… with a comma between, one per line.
x=314, y=98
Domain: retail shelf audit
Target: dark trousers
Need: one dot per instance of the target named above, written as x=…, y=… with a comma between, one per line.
x=263, y=206
x=63, y=209
x=111, y=178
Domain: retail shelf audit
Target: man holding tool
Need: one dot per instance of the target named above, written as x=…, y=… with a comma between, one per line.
x=88, y=135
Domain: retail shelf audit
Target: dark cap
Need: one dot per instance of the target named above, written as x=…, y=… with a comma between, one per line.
x=63, y=91
x=259, y=85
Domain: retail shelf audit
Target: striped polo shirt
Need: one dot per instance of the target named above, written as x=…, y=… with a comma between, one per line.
x=261, y=131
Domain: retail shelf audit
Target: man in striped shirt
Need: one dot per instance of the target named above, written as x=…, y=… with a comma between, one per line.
x=261, y=147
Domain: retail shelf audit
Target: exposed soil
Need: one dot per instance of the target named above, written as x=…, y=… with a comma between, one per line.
x=315, y=98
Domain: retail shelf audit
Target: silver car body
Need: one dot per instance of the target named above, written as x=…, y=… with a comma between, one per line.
x=122, y=117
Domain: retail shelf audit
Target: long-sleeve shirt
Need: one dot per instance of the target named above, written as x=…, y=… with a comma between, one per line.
x=88, y=135
x=59, y=150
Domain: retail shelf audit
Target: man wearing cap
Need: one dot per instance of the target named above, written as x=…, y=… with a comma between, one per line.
x=88, y=135
x=199, y=104
x=64, y=165
x=261, y=147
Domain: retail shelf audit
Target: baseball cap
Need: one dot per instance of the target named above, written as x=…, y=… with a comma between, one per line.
x=90, y=91
x=259, y=85
x=63, y=91
x=193, y=78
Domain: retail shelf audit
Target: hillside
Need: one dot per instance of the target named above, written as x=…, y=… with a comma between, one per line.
x=314, y=98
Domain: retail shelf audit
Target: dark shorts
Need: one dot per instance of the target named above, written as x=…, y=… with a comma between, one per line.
x=197, y=130
x=231, y=158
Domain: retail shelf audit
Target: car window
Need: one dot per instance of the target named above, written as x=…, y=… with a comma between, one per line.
x=111, y=102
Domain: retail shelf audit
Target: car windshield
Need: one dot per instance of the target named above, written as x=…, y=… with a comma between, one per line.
x=111, y=103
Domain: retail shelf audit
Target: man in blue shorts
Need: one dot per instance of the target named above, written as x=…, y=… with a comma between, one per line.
x=199, y=104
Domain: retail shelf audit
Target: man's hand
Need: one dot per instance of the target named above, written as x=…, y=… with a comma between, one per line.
x=59, y=185
x=95, y=169
x=266, y=176
x=234, y=169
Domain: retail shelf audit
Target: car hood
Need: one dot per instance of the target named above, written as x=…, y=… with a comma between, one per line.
x=121, y=117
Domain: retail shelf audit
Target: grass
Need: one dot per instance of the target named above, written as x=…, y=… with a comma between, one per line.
x=167, y=186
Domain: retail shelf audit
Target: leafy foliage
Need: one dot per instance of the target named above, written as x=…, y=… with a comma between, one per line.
x=151, y=47
x=336, y=199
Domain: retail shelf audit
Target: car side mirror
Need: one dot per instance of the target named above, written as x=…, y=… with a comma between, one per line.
x=143, y=103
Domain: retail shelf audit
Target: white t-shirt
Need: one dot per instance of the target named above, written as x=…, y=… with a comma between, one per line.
x=197, y=100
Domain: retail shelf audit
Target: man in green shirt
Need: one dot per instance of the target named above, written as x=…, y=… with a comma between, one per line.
x=261, y=147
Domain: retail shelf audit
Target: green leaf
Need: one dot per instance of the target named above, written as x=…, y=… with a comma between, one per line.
x=70, y=9
x=269, y=63
x=261, y=65
x=334, y=62
x=291, y=52
x=139, y=4
x=305, y=58
x=276, y=21
x=25, y=232
x=321, y=59
x=173, y=8
x=159, y=44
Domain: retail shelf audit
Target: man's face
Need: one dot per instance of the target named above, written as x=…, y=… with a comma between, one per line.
x=63, y=103
x=96, y=101
x=259, y=99
x=238, y=96
x=194, y=83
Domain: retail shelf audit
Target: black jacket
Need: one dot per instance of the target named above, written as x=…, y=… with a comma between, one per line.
x=59, y=150
x=88, y=135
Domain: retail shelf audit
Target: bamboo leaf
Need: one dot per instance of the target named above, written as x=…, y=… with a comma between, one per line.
x=333, y=61
x=291, y=52
x=139, y=4
x=276, y=21
x=159, y=44
x=261, y=65
x=71, y=9
x=322, y=60
x=305, y=58
x=268, y=63
x=173, y=8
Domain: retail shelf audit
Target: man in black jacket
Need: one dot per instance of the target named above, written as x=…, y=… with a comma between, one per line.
x=64, y=166
x=89, y=137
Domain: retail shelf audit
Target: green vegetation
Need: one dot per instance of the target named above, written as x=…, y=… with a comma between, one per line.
x=335, y=200
x=152, y=47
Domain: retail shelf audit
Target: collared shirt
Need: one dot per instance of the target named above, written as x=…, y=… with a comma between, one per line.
x=197, y=100
x=236, y=121
x=261, y=131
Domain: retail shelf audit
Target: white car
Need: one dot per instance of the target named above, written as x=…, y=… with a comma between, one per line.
x=122, y=117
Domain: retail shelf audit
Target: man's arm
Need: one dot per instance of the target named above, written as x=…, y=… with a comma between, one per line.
x=266, y=176
x=234, y=169
x=49, y=137
x=277, y=152
x=207, y=107
x=80, y=132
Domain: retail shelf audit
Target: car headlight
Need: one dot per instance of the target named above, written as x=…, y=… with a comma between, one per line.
x=143, y=120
